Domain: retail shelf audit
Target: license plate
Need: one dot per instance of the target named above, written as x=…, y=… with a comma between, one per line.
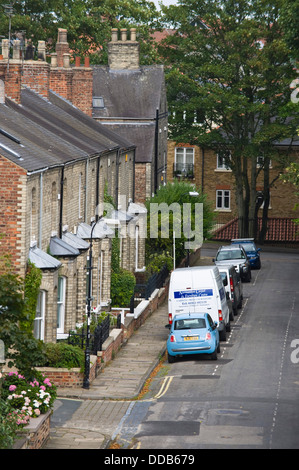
x=190, y=338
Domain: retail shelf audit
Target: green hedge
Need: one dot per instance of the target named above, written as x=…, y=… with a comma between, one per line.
x=63, y=355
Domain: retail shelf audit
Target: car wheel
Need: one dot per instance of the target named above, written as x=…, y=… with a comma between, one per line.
x=227, y=327
x=236, y=310
x=214, y=355
x=218, y=348
x=171, y=359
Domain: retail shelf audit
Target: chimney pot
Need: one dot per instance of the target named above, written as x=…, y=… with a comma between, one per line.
x=41, y=50
x=66, y=60
x=133, y=34
x=62, y=35
x=54, y=59
x=114, y=36
x=77, y=61
x=16, y=49
x=86, y=61
x=123, y=34
x=5, y=48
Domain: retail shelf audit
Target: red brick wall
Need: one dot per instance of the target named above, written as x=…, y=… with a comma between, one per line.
x=61, y=82
x=10, y=197
x=12, y=81
x=82, y=89
x=36, y=77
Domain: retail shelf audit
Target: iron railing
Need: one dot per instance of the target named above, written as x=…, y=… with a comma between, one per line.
x=97, y=338
x=156, y=281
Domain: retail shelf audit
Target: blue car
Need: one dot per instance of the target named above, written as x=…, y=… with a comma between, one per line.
x=252, y=252
x=193, y=333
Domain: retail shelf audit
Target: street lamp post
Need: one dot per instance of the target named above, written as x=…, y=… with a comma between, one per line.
x=192, y=194
x=88, y=300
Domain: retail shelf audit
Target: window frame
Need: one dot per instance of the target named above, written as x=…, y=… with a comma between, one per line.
x=61, y=304
x=222, y=207
x=39, y=332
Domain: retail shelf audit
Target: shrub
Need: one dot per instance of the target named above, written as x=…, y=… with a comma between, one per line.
x=122, y=288
x=63, y=355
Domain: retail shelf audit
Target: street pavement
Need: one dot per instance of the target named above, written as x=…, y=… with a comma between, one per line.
x=92, y=419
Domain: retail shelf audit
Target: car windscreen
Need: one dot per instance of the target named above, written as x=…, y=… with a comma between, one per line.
x=229, y=254
x=249, y=247
x=190, y=324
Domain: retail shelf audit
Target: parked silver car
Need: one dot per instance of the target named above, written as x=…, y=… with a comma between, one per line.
x=233, y=285
x=235, y=255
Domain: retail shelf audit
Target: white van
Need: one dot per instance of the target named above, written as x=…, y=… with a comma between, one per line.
x=199, y=289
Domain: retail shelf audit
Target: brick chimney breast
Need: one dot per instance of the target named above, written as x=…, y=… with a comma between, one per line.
x=123, y=54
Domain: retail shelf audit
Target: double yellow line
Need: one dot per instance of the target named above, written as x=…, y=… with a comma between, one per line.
x=164, y=387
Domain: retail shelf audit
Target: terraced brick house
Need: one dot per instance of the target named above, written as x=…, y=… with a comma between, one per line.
x=55, y=163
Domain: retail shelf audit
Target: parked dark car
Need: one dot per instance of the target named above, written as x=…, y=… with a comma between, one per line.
x=253, y=253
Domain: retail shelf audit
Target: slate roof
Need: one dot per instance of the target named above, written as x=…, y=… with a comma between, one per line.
x=128, y=93
x=142, y=134
x=52, y=132
x=280, y=229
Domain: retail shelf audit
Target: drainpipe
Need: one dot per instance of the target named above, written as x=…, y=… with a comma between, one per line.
x=40, y=210
x=86, y=188
x=156, y=151
x=202, y=168
x=97, y=188
x=117, y=177
x=61, y=202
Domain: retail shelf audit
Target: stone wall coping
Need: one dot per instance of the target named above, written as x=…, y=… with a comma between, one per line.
x=112, y=337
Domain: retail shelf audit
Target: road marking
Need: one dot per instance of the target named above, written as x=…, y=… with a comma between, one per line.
x=165, y=385
x=275, y=411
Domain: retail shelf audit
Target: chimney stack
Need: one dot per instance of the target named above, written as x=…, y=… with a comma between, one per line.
x=123, y=54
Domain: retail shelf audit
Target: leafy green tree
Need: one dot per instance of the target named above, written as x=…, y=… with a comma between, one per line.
x=291, y=175
x=229, y=89
x=290, y=23
x=88, y=22
x=164, y=225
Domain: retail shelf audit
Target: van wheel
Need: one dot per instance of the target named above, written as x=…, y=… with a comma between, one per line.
x=222, y=335
x=227, y=327
x=171, y=359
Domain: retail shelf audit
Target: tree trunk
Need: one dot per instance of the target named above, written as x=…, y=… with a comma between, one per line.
x=263, y=231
